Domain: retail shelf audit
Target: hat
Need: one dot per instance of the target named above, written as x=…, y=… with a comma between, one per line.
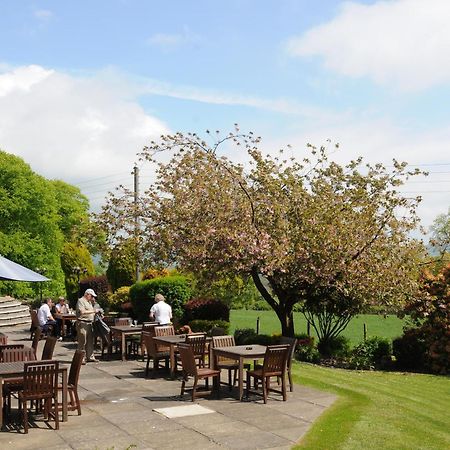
x=90, y=291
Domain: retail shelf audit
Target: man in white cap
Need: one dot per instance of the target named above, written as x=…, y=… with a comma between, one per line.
x=161, y=312
x=85, y=312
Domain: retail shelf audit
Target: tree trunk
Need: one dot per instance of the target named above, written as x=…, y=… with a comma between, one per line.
x=282, y=308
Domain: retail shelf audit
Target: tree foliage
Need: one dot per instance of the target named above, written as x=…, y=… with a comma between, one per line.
x=334, y=238
x=121, y=269
x=37, y=216
x=76, y=262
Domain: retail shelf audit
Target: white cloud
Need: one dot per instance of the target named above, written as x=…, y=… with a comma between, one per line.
x=404, y=43
x=382, y=141
x=169, y=42
x=281, y=105
x=43, y=14
x=72, y=128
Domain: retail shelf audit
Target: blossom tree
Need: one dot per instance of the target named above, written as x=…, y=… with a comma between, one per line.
x=334, y=239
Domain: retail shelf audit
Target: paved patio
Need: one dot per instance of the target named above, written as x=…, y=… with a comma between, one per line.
x=118, y=406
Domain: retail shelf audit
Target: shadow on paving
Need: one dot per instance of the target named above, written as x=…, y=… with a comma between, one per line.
x=118, y=405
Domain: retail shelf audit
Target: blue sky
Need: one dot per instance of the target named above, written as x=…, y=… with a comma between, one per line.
x=84, y=85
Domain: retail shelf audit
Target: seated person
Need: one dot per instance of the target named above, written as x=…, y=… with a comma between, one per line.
x=62, y=308
x=46, y=320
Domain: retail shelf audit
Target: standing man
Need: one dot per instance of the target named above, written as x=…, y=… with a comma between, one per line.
x=161, y=312
x=46, y=320
x=85, y=312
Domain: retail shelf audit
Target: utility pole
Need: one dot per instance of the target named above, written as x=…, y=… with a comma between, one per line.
x=136, y=220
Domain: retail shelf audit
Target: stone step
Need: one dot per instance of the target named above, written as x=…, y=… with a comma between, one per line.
x=5, y=305
x=12, y=312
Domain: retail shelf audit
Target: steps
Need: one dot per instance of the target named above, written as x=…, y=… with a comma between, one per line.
x=12, y=312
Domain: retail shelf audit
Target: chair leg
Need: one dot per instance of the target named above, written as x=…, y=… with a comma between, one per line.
x=247, y=386
x=25, y=416
x=291, y=385
x=229, y=379
x=283, y=387
x=194, y=388
x=265, y=388
x=183, y=385
x=146, y=367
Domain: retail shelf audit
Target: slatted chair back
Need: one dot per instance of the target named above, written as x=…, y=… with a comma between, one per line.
x=187, y=360
x=198, y=345
x=34, y=322
x=75, y=366
x=153, y=351
x=9, y=346
x=122, y=321
x=275, y=360
x=18, y=354
x=36, y=339
x=49, y=348
x=223, y=341
x=292, y=342
x=150, y=345
x=165, y=330
x=40, y=382
x=72, y=385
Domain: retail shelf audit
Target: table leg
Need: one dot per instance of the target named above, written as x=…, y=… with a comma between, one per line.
x=172, y=361
x=64, y=396
x=1, y=403
x=63, y=327
x=124, y=350
x=241, y=378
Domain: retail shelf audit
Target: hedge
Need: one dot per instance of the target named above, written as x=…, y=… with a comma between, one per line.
x=176, y=289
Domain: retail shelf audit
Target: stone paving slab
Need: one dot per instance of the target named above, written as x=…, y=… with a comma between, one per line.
x=118, y=405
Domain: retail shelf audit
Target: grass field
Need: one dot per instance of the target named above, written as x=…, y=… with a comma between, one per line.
x=378, y=410
x=389, y=327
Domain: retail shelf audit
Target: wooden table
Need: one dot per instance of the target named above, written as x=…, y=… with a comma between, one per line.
x=124, y=331
x=240, y=353
x=64, y=317
x=15, y=370
x=172, y=342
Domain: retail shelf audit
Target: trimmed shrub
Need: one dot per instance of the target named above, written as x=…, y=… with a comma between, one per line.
x=73, y=256
x=101, y=287
x=151, y=273
x=205, y=309
x=176, y=290
x=121, y=269
x=207, y=325
x=410, y=350
x=248, y=336
x=306, y=350
x=337, y=346
x=119, y=299
x=373, y=353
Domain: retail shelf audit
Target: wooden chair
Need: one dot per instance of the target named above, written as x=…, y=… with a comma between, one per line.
x=40, y=382
x=7, y=347
x=146, y=326
x=13, y=385
x=72, y=382
x=49, y=348
x=3, y=339
x=164, y=330
x=18, y=354
x=275, y=363
x=292, y=342
x=226, y=363
x=36, y=338
x=198, y=343
x=190, y=369
x=153, y=353
x=34, y=323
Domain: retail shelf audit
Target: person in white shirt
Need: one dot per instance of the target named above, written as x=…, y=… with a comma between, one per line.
x=62, y=308
x=161, y=312
x=46, y=320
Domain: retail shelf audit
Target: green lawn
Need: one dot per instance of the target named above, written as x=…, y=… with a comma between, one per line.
x=389, y=327
x=378, y=410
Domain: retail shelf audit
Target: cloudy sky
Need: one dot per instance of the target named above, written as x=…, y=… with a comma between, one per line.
x=84, y=85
